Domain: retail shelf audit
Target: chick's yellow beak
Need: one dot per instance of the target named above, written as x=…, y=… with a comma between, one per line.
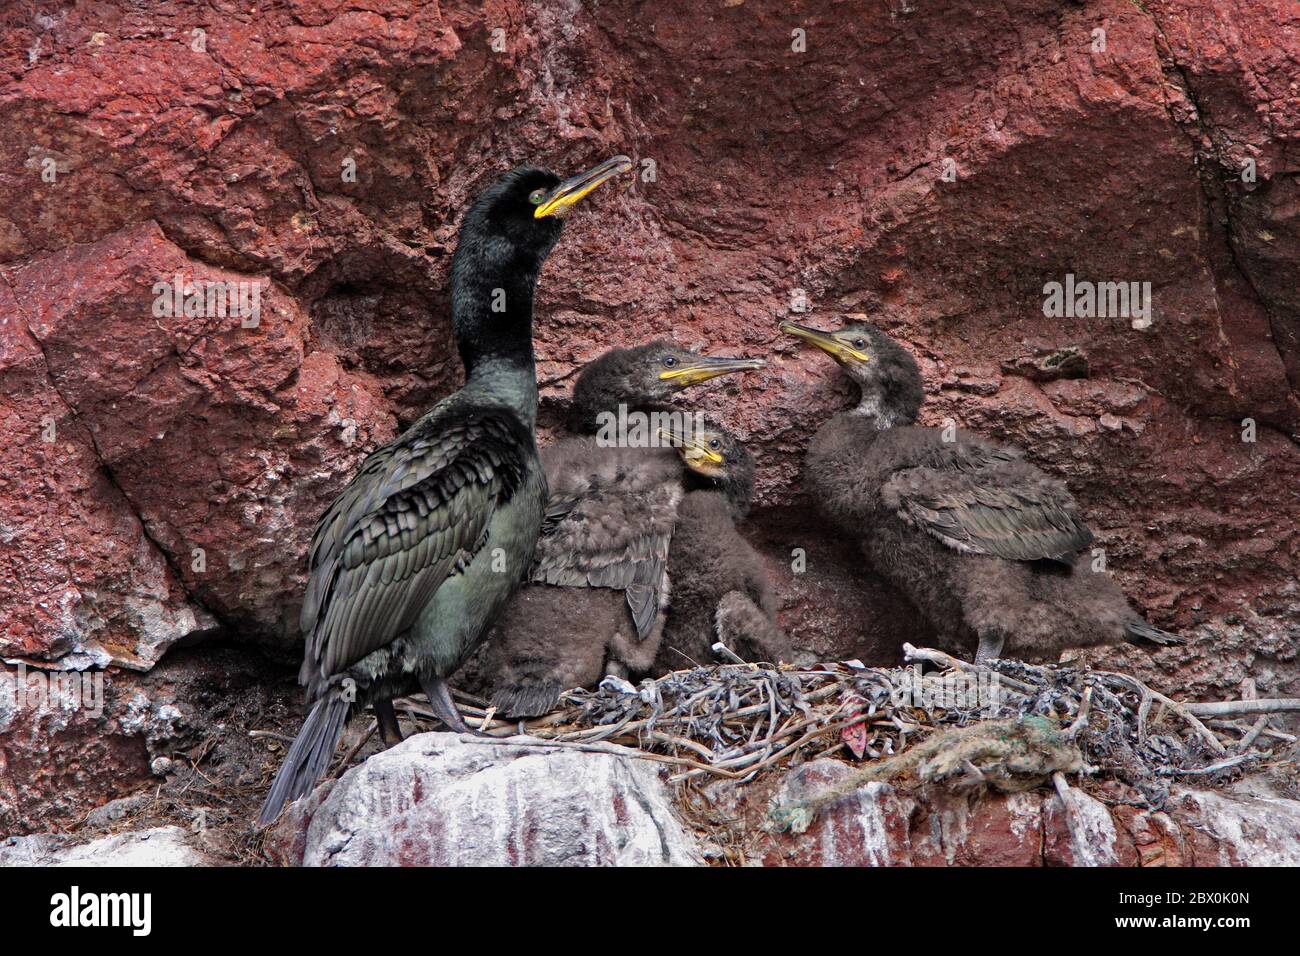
x=840, y=351
x=564, y=196
x=692, y=373
x=693, y=449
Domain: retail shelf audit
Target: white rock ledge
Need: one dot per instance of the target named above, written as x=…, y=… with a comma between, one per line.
x=161, y=846
x=440, y=799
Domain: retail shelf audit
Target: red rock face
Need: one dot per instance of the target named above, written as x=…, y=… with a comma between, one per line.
x=881, y=825
x=932, y=166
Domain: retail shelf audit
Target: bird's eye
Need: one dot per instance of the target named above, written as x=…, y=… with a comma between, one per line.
x=715, y=443
x=669, y=361
x=536, y=196
x=859, y=343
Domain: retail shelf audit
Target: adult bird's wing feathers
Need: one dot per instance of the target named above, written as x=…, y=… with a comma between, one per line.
x=418, y=508
x=609, y=522
x=985, y=500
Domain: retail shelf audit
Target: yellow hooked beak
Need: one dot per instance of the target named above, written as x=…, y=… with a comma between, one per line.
x=828, y=343
x=695, y=451
x=564, y=196
x=692, y=373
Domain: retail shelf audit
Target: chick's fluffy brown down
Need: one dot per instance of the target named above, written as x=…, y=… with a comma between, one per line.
x=594, y=602
x=989, y=548
x=720, y=590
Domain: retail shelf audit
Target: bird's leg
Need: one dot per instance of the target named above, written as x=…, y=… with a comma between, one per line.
x=990, y=646
x=444, y=708
x=390, y=731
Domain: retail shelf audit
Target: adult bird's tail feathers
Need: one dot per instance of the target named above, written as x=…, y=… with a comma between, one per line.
x=309, y=756
x=527, y=699
x=1141, y=633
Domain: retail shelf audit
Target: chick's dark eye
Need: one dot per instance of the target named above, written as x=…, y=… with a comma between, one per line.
x=714, y=443
x=536, y=196
x=859, y=343
x=669, y=361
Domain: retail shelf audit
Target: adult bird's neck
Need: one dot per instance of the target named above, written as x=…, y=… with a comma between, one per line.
x=492, y=319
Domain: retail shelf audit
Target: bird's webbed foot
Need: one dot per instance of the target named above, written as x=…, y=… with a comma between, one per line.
x=444, y=708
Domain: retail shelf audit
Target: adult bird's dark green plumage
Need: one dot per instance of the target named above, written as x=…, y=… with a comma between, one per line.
x=989, y=548
x=595, y=600
x=414, y=558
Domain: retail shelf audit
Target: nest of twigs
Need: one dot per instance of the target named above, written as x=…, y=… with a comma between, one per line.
x=737, y=721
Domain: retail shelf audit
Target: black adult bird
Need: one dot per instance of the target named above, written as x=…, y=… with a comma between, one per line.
x=986, y=545
x=415, y=557
x=721, y=590
x=599, y=580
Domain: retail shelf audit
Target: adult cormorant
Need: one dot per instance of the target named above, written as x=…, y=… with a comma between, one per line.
x=987, y=546
x=414, y=558
x=721, y=590
x=600, y=577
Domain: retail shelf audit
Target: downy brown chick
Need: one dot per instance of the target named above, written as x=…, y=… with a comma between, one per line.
x=989, y=548
x=721, y=592
x=600, y=580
